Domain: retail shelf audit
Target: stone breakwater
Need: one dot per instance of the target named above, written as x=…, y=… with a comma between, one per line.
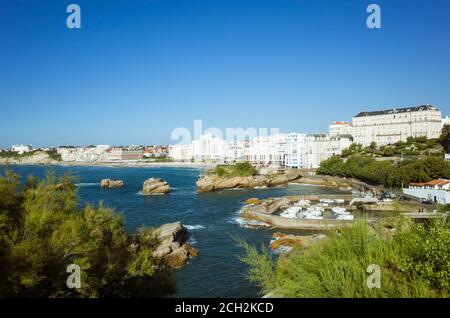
x=264, y=211
x=173, y=248
x=213, y=182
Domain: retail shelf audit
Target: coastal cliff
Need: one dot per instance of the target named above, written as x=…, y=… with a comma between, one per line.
x=243, y=176
x=36, y=157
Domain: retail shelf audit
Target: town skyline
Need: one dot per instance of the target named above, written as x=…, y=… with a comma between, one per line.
x=194, y=132
x=128, y=78
x=380, y=129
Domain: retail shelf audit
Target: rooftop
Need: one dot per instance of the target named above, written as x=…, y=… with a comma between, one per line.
x=340, y=123
x=432, y=183
x=397, y=110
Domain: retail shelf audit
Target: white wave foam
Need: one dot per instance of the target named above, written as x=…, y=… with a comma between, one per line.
x=191, y=240
x=283, y=249
x=87, y=184
x=251, y=224
x=194, y=227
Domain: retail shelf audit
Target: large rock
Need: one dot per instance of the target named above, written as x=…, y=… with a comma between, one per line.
x=108, y=183
x=212, y=182
x=273, y=205
x=155, y=186
x=255, y=201
x=295, y=241
x=173, y=249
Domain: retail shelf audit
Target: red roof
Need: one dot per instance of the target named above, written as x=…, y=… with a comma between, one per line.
x=340, y=123
x=432, y=183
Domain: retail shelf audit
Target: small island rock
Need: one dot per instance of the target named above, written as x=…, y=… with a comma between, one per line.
x=173, y=248
x=295, y=241
x=109, y=183
x=155, y=186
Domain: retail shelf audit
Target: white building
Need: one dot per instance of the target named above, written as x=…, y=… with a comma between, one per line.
x=308, y=151
x=295, y=150
x=209, y=148
x=86, y=154
x=281, y=150
x=436, y=191
x=341, y=128
x=236, y=151
x=21, y=148
x=267, y=150
x=447, y=157
x=392, y=125
x=122, y=154
x=181, y=152
x=445, y=121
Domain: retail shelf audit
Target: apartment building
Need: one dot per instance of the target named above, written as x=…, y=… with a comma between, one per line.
x=306, y=151
x=267, y=150
x=121, y=154
x=21, y=148
x=340, y=128
x=392, y=125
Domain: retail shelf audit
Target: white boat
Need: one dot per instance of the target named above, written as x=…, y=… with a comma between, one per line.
x=339, y=210
x=311, y=213
x=291, y=213
x=345, y=217
x=302, y=203
x=314, y=217
x=339, y=201
x=326, y=202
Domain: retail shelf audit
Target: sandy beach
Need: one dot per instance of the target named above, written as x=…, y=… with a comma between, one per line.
x=121, y=164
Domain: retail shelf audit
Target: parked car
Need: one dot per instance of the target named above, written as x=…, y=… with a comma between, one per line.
x=426, y=201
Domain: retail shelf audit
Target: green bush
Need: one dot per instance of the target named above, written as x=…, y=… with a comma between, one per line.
x=241, y=169
x=43, y=230
x=386, y=173
x=414, y=262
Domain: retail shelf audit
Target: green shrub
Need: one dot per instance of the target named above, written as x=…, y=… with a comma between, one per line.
x=43, y=230
x=242, y=169
x=386, y=173
x=414, y=262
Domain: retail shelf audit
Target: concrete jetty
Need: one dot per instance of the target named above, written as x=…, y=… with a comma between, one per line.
x=294, y=224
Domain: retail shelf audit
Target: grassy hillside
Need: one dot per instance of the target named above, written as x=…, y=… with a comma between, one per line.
x=420, y=160
x=53, y=154
x=244, y=169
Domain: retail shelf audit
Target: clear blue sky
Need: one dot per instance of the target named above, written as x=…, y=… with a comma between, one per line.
x=138, y=69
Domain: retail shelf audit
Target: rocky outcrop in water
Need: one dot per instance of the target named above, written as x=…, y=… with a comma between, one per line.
x=294, y=241
x=173, y=248
x=212, y=182
x=155, y=186
x=108, y=183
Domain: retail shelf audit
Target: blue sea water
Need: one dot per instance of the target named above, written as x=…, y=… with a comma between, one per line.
x=212, y=219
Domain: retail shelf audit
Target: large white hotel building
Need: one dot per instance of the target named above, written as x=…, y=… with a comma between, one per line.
x=392, y=125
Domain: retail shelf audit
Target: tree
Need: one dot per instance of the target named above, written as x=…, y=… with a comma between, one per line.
x=42, y=231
